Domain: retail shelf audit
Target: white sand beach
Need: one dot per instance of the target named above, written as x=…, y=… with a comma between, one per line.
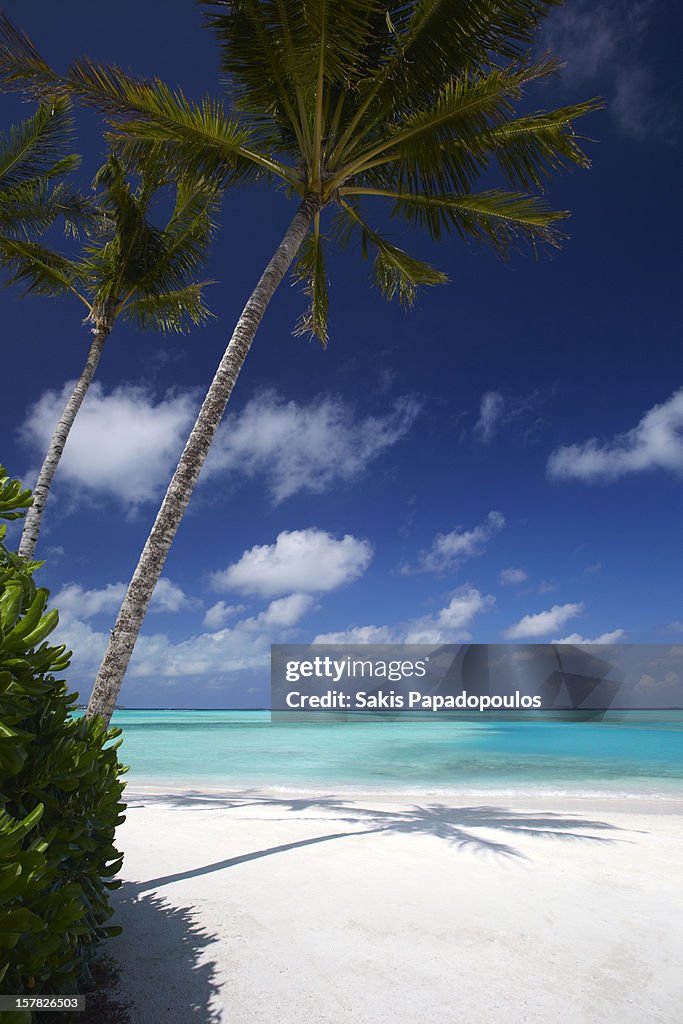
x=266, y=908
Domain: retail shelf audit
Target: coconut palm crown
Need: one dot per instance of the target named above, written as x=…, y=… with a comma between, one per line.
x=127, y=268
x=351, y=102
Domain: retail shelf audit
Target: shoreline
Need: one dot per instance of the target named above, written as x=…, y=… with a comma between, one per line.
x=660, y=801
x=249, y=906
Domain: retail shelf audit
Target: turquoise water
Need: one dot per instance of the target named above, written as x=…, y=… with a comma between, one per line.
x=625, y=753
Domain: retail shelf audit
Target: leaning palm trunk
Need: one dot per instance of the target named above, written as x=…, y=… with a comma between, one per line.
x=32, y=523
x=149, y=567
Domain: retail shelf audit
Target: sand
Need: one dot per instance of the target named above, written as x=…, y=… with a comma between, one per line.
x=267, y=908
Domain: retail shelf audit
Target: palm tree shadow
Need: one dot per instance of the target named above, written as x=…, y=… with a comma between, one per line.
x=165, y=974
x=457, y=826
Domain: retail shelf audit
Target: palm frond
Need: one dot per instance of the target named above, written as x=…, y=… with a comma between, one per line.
x=397, y=274
x=186, y=239
x=426, y=43
x=501, y=219
x=41, y=270
x=529, y=149
x=198, y=136
x=175, y=311
x=310, y=268
x=32, y=207
x=465, y=108
x=436, y=39
x=136, y=245
x=39, y=146
x=341, y=32
x=22, y=69
x=256, y=60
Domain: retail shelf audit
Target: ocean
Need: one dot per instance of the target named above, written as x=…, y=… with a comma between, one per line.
x=633, y=753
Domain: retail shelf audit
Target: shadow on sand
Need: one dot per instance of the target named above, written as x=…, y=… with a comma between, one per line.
x=456, y=826
x=156, y=934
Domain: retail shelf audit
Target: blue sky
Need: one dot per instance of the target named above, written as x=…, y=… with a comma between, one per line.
x=505, y=462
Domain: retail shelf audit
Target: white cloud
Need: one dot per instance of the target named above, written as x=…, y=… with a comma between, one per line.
x=213, y=654
x=123, y=444
x=219, y=613
x=448, y=625
x=600, y=43
x=585, y=36
x=675, y=627
x=305, y=447
x=126, y=443
x=655, y=443
x=84, y=604
x=360, y=635
x=307, y=561
x=490, y=413
x=286, y=611
x=648, y=682
x=615, y=637
x=517, y=413
x=449, y=549
x=543, y=623
x=508, y=577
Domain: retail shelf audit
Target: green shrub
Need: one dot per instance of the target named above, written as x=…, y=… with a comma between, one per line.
x=60, y=795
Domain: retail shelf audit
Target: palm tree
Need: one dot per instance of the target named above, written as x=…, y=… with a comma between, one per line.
x=127, y=269
x=345, y=103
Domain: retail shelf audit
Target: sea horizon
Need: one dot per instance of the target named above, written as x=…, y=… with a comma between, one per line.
x=623, y=753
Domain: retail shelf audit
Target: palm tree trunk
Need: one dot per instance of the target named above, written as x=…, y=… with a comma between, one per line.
x=149, y=567
x=34, y=516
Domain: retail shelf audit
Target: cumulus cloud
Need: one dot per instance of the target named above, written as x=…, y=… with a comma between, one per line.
x=360, y=635
x=448, y=625
x=219, y=613
x=286, y=611
x=655, y=443
x=214, y=654
x=490, y=412
x=123, y=444
x=543, y=623
x=85, y=604
x=615, y=637
x=511, y=576
x=305, y=447
x=649, y=683
x=449, y=549
x=304, y=561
